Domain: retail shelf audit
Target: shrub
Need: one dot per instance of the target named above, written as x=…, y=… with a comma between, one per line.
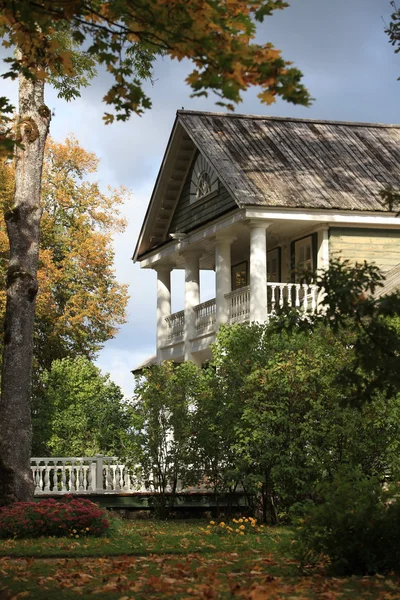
x=67, y=517
x=355, y=524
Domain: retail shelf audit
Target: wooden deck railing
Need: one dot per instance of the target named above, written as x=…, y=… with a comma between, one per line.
x=55, y=476
x=301, y=296
x=79, y=475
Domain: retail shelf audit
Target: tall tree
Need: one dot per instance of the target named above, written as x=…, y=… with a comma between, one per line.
x=125, y=37
x=80, y=303
x=23, y=223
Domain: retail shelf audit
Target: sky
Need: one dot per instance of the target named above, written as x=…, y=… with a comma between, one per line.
x=350, y=70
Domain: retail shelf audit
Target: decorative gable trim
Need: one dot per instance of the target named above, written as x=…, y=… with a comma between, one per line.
x=204, y=180
x=172, y=175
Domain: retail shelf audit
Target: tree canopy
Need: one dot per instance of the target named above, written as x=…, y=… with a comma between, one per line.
x=80, y=412
x=80, y=303
x=125, y=37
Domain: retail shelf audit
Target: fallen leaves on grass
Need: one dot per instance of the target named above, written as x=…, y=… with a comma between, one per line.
x=208, y=577
x=180, y=563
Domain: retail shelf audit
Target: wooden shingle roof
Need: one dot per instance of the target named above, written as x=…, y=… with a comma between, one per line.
x=298, y=163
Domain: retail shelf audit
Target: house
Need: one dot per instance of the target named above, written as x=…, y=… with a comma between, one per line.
x=255, y=199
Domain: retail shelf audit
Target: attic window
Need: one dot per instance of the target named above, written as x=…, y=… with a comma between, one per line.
x=203, y=185
x=204, y=180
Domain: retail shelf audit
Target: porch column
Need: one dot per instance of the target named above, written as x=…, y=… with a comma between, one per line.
x=323, y=249
x=258, y=271
x=163, y=304
x=222, y=277
x=192, y=299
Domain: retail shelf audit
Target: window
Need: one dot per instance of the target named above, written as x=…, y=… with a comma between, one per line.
x=203, y=185
x=204, y=180
x=304, y=256
x=274, y=265
x=239, y=275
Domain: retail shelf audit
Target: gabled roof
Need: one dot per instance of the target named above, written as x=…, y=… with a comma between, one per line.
x=287, y=163
x=298, y=163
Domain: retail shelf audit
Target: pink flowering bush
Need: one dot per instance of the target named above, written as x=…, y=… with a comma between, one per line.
x=67, y=517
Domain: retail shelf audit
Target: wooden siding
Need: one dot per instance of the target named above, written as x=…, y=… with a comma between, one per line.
x=379, y=246
x=188, y=216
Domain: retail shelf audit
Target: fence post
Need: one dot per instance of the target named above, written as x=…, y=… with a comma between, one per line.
x=98, y=487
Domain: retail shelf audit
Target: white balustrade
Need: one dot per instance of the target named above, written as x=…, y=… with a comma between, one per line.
x=83, y=475
x=205, y=315
x=304, y=297
x=91, y=475
x=239, y=305
x=175, y=325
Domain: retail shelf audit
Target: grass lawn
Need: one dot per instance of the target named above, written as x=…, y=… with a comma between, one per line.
x=149, y=559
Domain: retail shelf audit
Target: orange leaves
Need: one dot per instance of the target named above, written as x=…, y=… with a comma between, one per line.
x=66, y=60
x=268, y=96
x=206, y=577
x=80, y=303
x=238, y=571
x=217, y=36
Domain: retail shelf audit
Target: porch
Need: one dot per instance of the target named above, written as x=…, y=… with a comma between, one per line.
x=300, y=296
x=255, y=262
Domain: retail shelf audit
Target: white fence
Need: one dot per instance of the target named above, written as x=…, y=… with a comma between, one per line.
x=92, y=475
x=79, y=475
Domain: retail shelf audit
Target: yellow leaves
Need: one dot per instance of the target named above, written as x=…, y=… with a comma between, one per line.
x=108, y=118
x=79, y=298
x=66, y=60
x=217, y=36
x=267, y=96
x=41, y=74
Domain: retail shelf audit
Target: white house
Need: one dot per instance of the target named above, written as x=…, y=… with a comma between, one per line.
x=254, y=199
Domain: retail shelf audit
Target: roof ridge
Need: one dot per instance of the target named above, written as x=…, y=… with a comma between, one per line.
x=289, y=119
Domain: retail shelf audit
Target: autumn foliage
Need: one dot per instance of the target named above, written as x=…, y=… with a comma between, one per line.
x=126, y=37
x=80, y=303
x=72, y=516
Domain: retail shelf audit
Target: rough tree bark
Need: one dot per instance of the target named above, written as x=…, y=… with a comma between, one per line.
x=23, y=228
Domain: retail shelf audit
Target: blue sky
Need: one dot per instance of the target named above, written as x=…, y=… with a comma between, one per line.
x=350, y=70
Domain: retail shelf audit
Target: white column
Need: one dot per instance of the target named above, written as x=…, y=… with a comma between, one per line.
x=258, y=271
x=192, y=299
x=323, y=249
x=222, y=277
x=163, y=304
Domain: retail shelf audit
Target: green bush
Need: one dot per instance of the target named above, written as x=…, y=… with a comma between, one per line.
x=355, y=524
x=68, y=517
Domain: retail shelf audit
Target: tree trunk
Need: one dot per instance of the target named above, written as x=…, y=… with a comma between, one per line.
x=23, y=228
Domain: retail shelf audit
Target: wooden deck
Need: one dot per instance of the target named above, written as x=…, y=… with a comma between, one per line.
x=196, y=502
x=112, y=485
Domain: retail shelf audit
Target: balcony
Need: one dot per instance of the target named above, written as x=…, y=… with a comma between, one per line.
x=301, y=296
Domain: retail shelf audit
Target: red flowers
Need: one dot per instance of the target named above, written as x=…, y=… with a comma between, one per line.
x=52, y=517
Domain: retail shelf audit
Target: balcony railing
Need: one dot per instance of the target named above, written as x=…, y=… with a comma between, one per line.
x=205, y=315
x=238, y=305
x=301, y=296
x=176, y=325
